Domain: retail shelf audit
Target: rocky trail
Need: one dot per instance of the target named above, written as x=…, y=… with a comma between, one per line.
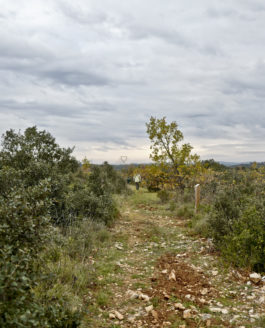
x=166, y=277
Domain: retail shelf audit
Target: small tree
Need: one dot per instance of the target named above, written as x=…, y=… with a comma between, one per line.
x=174, y=158
x=35, y=148
x=33, y=156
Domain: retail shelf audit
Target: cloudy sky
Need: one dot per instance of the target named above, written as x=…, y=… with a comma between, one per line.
x=93, y=72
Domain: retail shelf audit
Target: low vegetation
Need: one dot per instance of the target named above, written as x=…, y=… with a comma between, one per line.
x=45, y=198
x=61, y=252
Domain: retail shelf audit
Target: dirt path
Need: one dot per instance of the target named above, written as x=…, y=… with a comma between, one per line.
x=164, y=277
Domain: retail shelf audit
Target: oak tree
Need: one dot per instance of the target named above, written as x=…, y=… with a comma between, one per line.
x=169, y=153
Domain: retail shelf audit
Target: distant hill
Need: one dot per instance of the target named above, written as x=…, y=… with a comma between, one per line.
x=233, y=163
x=122, y=166
x=243, y=164
x=227, y=164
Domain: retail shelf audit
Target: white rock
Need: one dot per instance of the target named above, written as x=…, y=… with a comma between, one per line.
x=154, y=314
x=255, y=277
x=144, y=297
x=118, y=315
x=255, y=316
x=202, y=300
x=179, y=306
x=215, y=310
x=205, y=316
x=224, y=311
x=187, y=314
x=214, y=273
x=262, y=299
x=119, y=246
x=251, y=297
x=131, y=319
x=172, y=275
x=112, y=316
x=204, y=291
x=149, y=308
x=132, y=294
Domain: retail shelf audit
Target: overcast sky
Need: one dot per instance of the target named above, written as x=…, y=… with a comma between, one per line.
x=93, y=72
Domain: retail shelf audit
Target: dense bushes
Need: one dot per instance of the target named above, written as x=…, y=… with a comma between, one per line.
x=42, y=184
x=34, y=156
x=237, y=219
x=24, y=228
x=163, y=195
x=32, y=166
x=90, y=195
x=232, y=213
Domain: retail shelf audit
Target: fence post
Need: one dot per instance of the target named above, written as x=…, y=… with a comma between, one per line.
x=197, y=197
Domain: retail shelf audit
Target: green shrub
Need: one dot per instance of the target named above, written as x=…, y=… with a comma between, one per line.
x=188, y=195
x=24, y=229
x=20, y=151
x=237, y=220
x=117, y=183
x=226, y=211
x=41, y=186
x=172, y=205
x=244, y=245
x=26, y=159
x=163, y=195
x=200, y=225
x=90, y=197
x=32, y=157
x=185, y=211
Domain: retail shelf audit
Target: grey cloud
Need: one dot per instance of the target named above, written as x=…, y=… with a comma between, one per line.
x=94, y=72
x=256, y=6
x=80, y=14
x=35, y=110
x=217, y=12
x=170, y=36
x=252, y=152
x=41, y=68
x=75, y=78
x=240, y=86
x=238, y=152
x=12, y=46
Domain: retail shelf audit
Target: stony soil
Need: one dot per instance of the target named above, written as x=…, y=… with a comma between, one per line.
x=168, y=278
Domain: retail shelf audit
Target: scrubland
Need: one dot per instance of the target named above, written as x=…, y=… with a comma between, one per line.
x=81, y=248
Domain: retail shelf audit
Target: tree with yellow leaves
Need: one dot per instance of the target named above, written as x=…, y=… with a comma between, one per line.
x=175, y=159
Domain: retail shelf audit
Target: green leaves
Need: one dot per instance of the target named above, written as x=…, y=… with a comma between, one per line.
x=20, y=151
x=237, y=219
x=33, y=172
x=41, y=186
x=167, y=152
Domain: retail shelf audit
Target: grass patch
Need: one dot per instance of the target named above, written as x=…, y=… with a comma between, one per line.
x=155, y=301
x=78, y=262
x=102, y=299
x=144, y=197
x=185, y=211
x=139, y=284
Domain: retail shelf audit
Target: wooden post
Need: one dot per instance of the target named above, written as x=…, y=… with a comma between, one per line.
x=197, y=197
